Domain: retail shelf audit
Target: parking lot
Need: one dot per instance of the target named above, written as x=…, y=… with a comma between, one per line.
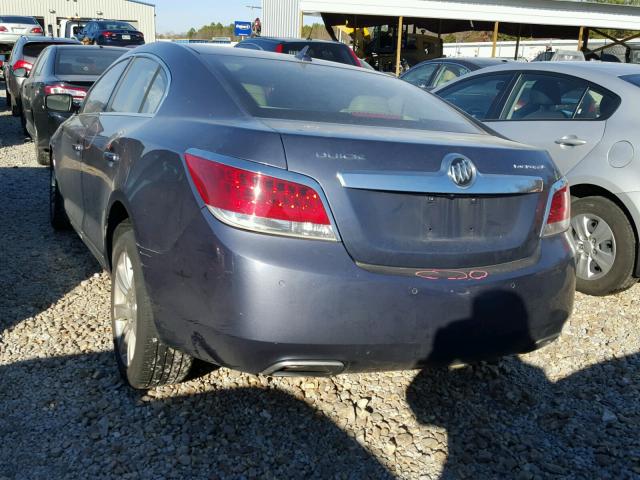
x=570, y=410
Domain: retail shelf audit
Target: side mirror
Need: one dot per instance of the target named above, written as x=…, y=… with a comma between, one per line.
x=21, y=72
x=59, y=102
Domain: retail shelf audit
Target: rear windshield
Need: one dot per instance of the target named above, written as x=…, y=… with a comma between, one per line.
x=333, y=52
x=321, y=93
x=12, y=19
x=115, y=26
x=82, y=61
x=31, y=50
x=635, y=79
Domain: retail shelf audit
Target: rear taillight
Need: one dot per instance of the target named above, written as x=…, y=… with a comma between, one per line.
x=36, y=30
x=108, y=34
x=3, y=29
x=279, y=48
x=22, y=64
x=262, y=203
x=61, y=88
x=559, y=215
x=357, y=61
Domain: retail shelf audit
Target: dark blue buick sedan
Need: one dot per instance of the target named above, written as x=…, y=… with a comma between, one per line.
x=290, y=216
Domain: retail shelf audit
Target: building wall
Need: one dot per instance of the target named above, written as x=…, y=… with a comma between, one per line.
x=142, y=15
x=281, y=18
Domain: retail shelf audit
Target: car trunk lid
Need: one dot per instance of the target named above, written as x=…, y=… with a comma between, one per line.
x=395, y=202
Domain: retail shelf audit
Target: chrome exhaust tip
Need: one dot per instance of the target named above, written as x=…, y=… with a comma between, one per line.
x=304, y=368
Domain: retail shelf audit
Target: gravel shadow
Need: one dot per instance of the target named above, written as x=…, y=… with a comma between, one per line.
x=81, y=422
x=10, y=129
x=37, y=265
x=509, y=421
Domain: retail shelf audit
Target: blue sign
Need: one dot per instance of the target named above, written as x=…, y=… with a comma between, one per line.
x=243, y=29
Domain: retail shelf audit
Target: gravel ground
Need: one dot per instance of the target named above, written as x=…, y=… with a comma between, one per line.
x=570, y=410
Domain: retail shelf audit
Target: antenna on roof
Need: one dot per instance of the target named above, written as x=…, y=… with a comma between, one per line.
x=304, y=54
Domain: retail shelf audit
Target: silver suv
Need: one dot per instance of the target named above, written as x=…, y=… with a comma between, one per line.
x=585, y=114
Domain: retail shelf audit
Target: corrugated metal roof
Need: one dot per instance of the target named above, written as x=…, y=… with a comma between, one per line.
x=540, y=12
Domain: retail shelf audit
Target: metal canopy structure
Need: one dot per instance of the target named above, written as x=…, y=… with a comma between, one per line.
x=560, y=19
x=458, y=15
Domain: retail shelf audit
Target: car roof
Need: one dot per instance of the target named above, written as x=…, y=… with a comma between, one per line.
x=207, y=48
x=472, y=62
x=43, y=39
x=291, y=40
x=598, y=72
x=79, y=46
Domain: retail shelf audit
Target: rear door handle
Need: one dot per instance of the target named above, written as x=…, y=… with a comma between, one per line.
x=111, y=157
x=570, y=141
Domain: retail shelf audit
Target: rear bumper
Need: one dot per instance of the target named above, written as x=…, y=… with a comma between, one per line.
x=249, y=301
x=119, y=43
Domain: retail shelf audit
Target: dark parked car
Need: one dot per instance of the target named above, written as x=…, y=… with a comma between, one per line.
x=112, y=33
x=59, y=69
x=23, y=55
x=296, y=217
x=433, y=73
x=320, y=49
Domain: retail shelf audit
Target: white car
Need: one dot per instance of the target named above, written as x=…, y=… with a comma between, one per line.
x=585, y=114
x=13, y=26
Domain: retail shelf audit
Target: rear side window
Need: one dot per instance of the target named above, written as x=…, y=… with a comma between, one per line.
x=477, y=95
x=333, y=52
x=99, y=95
x=633, y=79
x=80, y=61
x=31, y=50
x=132, y=89
x=15, y=19
x=448, y=73
x=557, y=97
x=321, y=93
x=155, y=94
x=420, y=76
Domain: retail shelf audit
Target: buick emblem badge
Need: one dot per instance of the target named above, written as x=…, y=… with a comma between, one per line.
x=462, y=171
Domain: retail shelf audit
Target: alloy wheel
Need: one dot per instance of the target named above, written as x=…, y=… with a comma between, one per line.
x=595, y=246
x=125, y=308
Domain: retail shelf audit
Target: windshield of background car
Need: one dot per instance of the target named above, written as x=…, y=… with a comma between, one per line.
x=115, y=26
x=332, y=52
x=634, y=79
x=13, y=19
x=321, y=93
x=83, y=61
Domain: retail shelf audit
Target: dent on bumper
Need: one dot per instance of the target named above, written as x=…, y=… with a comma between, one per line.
x=248, y=301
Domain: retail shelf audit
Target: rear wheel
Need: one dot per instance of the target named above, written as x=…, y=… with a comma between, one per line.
x=7, y=99
x=23, y=124
x=143, y=360
x=42, y=156
x=16, y=109
x=57, y=214
x=605, y=246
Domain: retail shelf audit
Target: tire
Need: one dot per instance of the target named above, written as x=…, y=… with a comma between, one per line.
x=143, y=360
x=23, y=124
x=7, y=99
x=16, y=110
x=605, y=246
x=57, y=214
x=42, y=156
